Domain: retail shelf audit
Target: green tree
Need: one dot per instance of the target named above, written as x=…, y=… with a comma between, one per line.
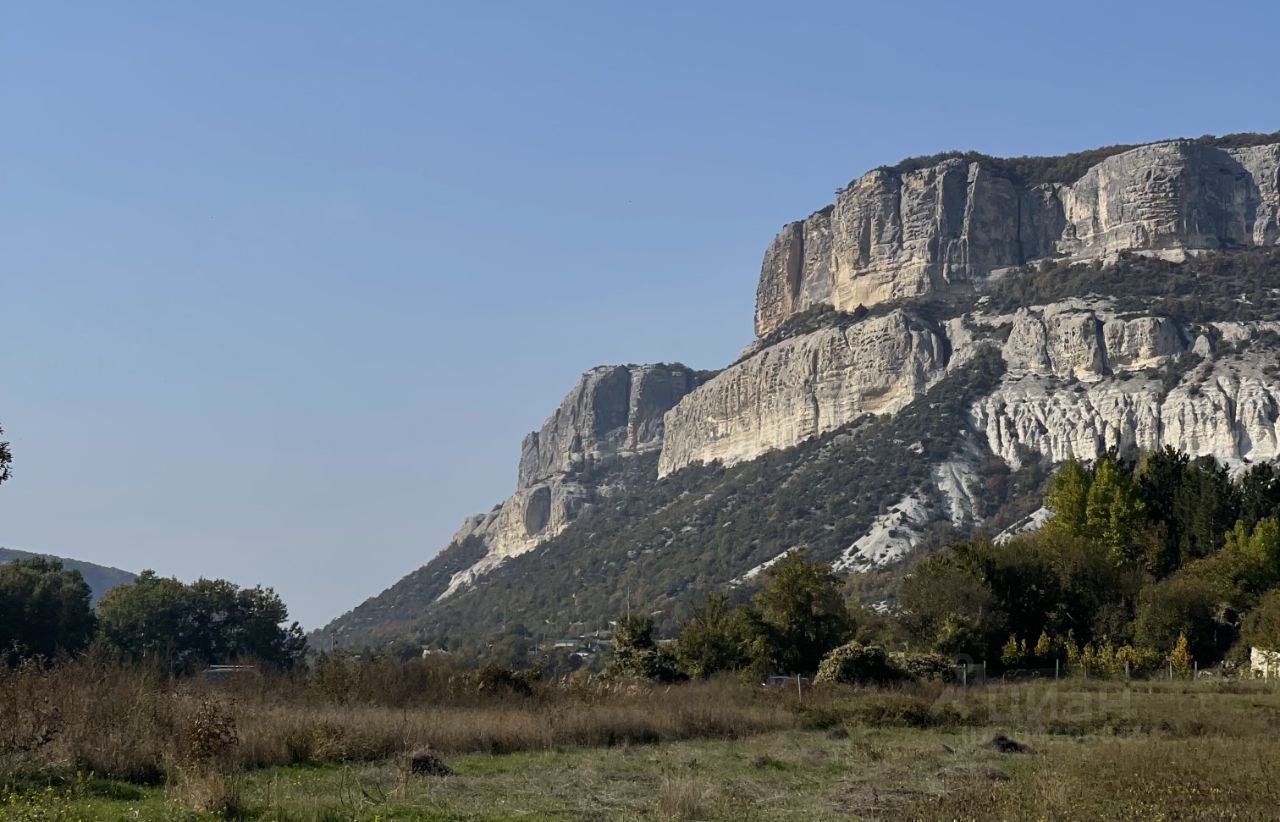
x=44, y=609
x=1159, y=476
x=1113, y=510
x=206, y=622
x=1026, y=584
x=1259, y=489
x=636, y=652
x=1068, y=498
x=1094, y=596
x=1247, y=564
x=1182, y=605
x=1192, y=503
x=1261, y=627
x=947, y=605
x=716, y=637
x=146, y=618
x=1205, y=506
x=1262, y=546
x=803, y=613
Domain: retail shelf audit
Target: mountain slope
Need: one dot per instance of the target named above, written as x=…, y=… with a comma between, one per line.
x=928, y=346
x=660, y=543
x=100, y=578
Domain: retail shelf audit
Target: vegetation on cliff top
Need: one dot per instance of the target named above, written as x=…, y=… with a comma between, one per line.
x=1232, y=285
x=1064, y=169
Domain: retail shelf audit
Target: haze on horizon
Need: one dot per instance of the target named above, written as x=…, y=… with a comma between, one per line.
x=286, y=285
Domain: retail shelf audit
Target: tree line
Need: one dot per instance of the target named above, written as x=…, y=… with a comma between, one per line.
x=45, y=614
x=1146, y=562
x=1142, y=559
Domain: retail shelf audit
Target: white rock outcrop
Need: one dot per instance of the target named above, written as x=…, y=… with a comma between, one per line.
x=1226, y=406
x=896, y=234
x=891, y=536
x=1081, y=380
x=803, y=387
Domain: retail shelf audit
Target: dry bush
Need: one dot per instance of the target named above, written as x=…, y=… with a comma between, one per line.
x=425, y=762
x=138, y=724
x=285, y=733
x=96, y=718
x=209, y=790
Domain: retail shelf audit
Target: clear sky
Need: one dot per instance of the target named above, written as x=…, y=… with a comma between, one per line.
x=284, y=284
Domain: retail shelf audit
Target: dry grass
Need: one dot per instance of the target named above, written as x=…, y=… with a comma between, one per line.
x=682, y=798
x=1134, y=778
x=570, y=750
x=142, y=727
x=209, y=790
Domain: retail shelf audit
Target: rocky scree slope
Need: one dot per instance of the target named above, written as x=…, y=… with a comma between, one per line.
x=928, y=346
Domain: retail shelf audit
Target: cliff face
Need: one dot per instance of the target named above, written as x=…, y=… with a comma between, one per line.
x=612, y=411
x=1080, y=379
x=803, y=387
x=893, y=235
x=1226, y=404
x=937, y=402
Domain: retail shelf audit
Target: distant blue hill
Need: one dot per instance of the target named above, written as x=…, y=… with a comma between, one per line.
x=99, y=577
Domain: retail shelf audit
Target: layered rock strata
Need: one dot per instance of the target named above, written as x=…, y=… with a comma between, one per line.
x=1080, y=379
x=893, y=235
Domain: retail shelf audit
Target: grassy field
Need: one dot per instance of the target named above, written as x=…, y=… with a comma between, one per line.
x=1071, y=750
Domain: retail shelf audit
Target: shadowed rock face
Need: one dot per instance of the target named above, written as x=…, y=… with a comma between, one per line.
x=613, y=410
x=897, y=235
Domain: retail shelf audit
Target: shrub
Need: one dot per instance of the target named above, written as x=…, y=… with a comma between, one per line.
x=494, y=679
x=855, y=663
x=907, y=711
x=1107, y=660
x=637, y=654
x=1262, y=625
x=925, y=667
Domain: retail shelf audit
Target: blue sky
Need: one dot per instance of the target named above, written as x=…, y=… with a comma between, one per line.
x=284, y=284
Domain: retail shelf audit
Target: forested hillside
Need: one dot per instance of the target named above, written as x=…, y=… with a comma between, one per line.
x=100, y=578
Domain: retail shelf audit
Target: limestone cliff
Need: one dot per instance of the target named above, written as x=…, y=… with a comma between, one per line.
x=1081, y=379
x=1151, y=320
x=1225, y=404
x=898, y=234
x=802, y=387
x=612, y=411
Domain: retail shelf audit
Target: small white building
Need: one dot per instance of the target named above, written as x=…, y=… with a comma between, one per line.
x=1264, y=664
